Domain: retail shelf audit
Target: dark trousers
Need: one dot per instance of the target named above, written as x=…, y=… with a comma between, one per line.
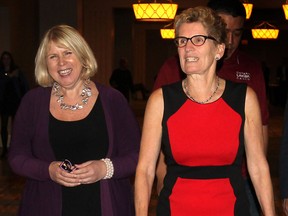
x=4, y=133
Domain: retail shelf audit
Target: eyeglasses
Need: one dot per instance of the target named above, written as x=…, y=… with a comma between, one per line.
x=196, y=40
x=67, y=166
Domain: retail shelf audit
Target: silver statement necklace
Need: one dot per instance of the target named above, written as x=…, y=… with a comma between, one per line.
x=185, y=85
x=85, y=94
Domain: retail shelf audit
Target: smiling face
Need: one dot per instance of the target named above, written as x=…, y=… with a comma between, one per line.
x=198, y=59
x=63, y=66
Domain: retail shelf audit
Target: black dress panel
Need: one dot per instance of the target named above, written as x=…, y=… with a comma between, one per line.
x=81, y=141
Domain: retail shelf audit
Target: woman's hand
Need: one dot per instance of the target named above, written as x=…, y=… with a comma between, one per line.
x=90, y=171
x=62, y=177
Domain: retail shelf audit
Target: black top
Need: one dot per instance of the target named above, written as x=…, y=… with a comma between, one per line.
x=80, y=141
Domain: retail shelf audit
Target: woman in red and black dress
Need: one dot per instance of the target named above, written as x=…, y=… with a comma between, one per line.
x=205, y=125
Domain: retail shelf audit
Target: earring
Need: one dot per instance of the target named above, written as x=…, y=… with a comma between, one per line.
x=217, y=58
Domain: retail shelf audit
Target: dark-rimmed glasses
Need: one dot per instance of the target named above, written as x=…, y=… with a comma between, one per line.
x=196, y=40
x=67, y=166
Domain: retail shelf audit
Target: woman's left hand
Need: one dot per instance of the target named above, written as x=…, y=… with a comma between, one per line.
x=90, y=171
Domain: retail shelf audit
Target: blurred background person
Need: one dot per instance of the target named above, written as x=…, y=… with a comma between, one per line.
x=121, y=79
x=13, y=85
x=282, y=76
x=169, y=72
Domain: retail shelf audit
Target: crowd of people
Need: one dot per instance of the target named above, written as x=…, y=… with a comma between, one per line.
x=204, y=136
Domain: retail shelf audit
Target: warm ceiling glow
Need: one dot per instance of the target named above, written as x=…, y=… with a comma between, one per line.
x=265, y=34
x=285, y=8
x=167, y=33
x=155, y=11
x=265, y=31
x=248, y=9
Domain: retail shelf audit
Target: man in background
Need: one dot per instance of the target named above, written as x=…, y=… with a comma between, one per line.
x=121, y=79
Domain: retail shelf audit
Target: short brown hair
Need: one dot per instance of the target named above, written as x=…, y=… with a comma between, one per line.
x=216, y=27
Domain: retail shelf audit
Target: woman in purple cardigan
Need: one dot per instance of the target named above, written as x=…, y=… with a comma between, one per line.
x=75, y=141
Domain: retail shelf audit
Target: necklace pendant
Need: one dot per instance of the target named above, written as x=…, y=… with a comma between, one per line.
x=62, y=106
x=85, y=94
x=186, y=90
x=60, y=99
x=75, y=107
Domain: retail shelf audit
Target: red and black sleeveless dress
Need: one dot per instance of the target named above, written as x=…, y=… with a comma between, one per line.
x=203, y=146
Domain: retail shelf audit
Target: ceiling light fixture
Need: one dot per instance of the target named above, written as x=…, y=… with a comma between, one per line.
x=168, y=32
x=248, y=8
x=285, y=8
x=265, y=31
x=155, y=11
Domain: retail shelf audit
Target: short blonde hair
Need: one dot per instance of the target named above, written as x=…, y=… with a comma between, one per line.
x=70, y=38
x=212, y=22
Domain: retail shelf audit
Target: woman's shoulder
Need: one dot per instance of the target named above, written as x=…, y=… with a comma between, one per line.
x=173, y=90
x=35, y=99
x=232, y=85
x=43, y=91
x=102, y=88
x=107, y=90
x=109, y=94
x=232, y=89
x=156, y=95
x=175, y=85
x=251, y=92
x=37, y=95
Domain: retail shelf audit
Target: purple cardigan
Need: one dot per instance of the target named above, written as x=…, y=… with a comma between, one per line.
x=30, y=154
